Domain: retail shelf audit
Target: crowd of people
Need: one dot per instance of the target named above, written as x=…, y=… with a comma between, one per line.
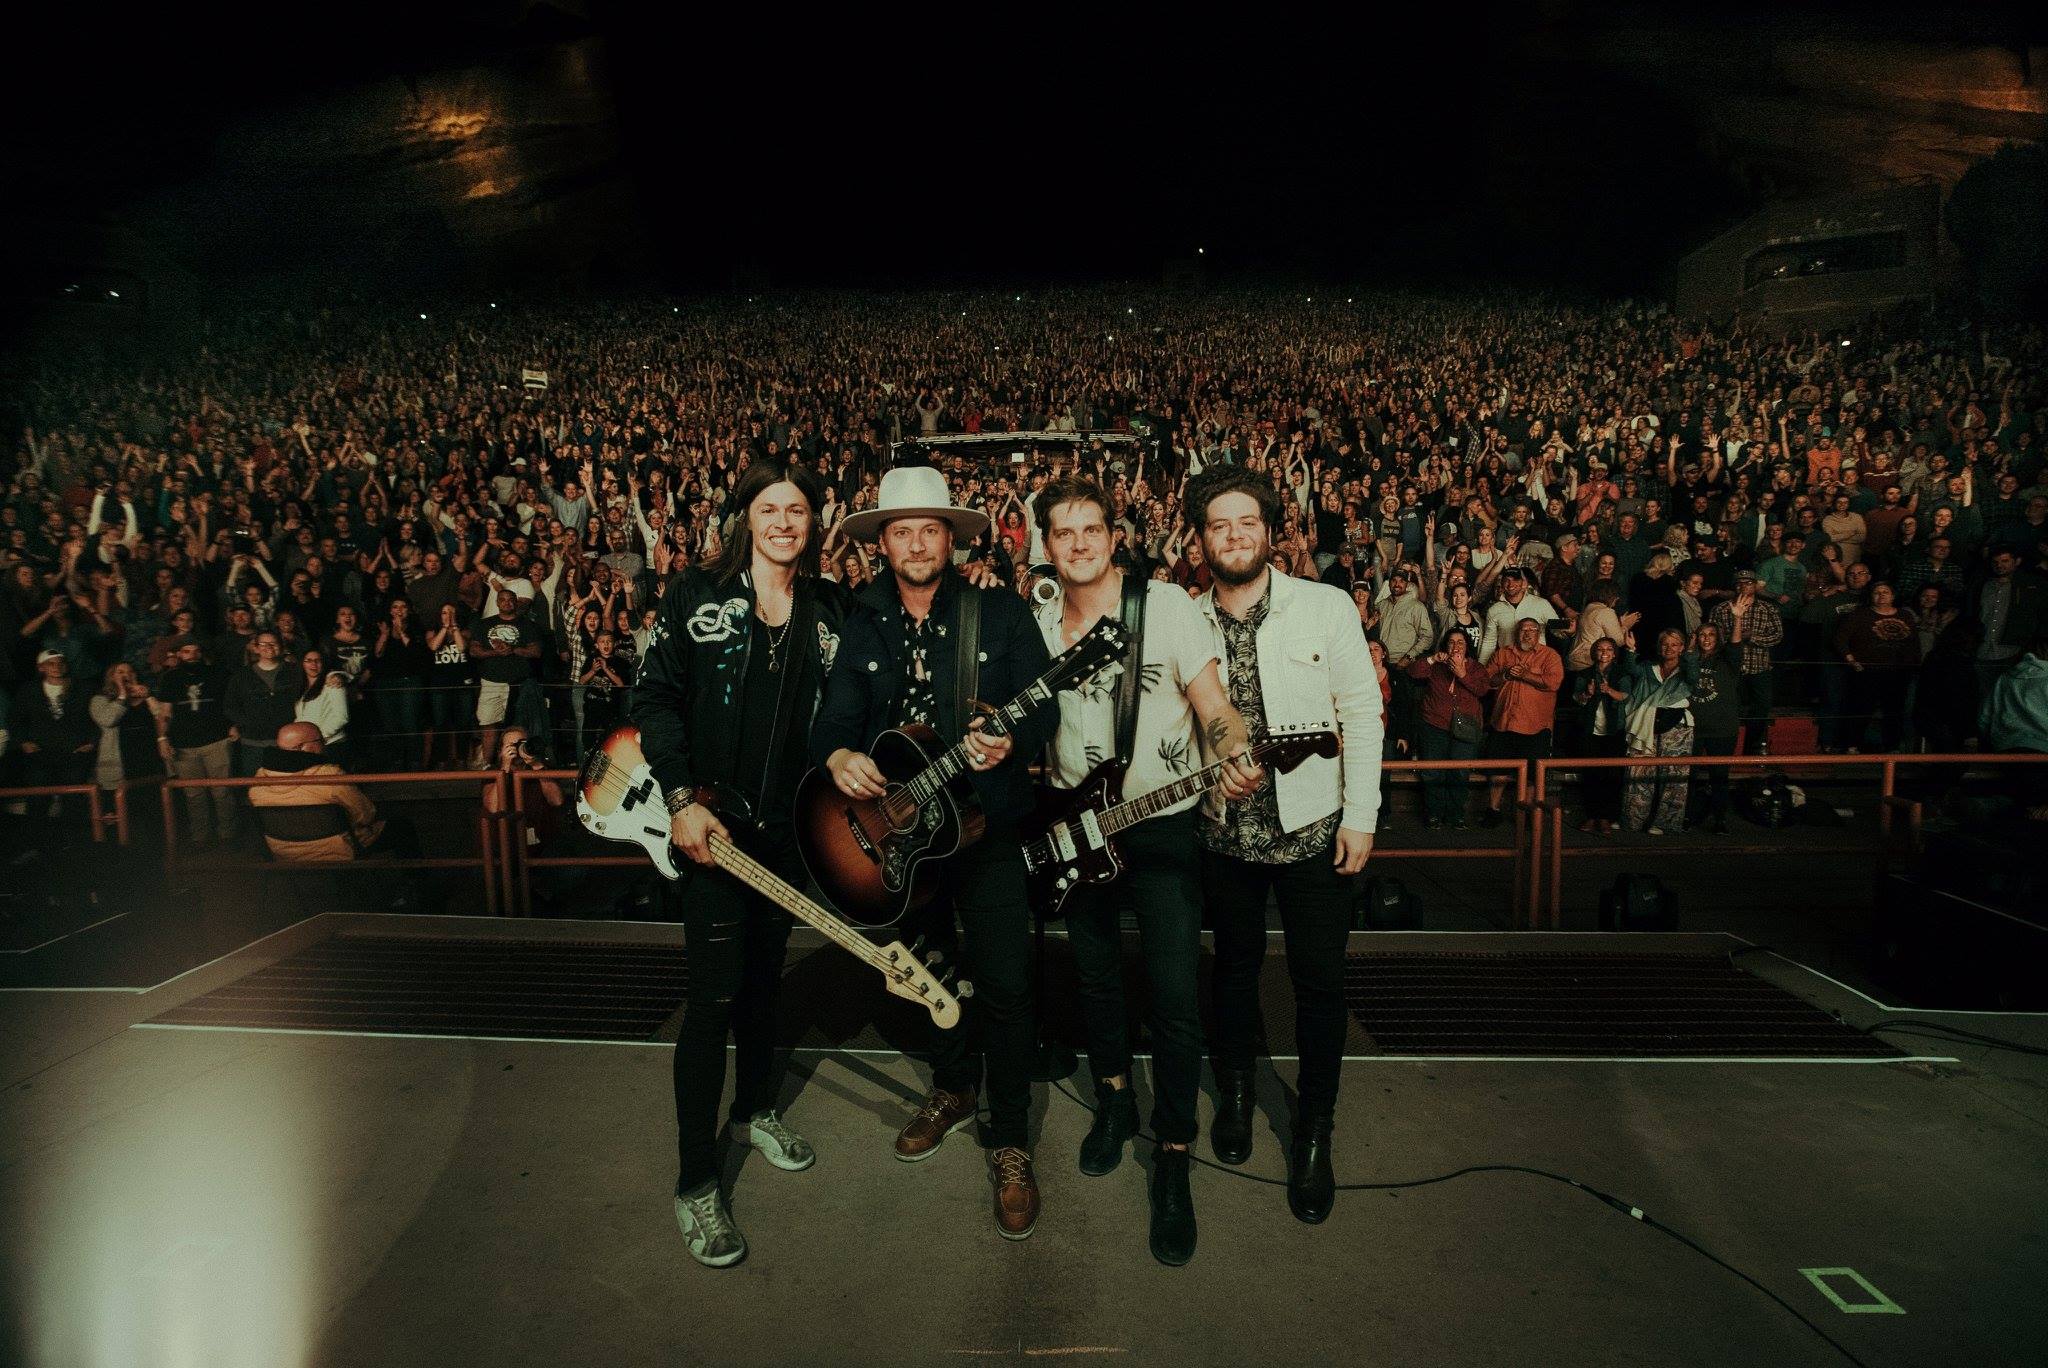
x=1576, y=530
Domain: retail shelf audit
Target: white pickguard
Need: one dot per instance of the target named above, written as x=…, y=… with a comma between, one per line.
x=641, y=818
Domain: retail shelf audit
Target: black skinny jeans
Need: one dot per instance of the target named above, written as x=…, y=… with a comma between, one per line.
x=997, y=1035
x=736, y=940
x=1159, y=886
x=1315, y=914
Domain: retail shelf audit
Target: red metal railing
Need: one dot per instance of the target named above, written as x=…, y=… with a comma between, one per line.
x=513, y=847
x=1536, y=848
x=486, y=858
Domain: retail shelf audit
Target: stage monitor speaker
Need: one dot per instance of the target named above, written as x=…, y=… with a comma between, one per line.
x=1638, y=902
x=1387, y=905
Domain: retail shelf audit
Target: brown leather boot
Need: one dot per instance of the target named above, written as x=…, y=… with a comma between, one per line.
x=942, y=1113
x=1016, y=1191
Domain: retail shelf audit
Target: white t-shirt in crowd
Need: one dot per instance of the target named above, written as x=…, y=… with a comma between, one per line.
x=1178, y=644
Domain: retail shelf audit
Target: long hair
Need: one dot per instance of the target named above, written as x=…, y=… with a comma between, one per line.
x=760, y=473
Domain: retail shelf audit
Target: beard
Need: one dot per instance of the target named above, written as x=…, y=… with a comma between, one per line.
x=1258, y=559
x=918, y=576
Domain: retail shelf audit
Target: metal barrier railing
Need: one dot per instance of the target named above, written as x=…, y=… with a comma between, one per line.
x=1537, y=847
x=486, y=859
x=516, y=879
x=95, y=803
x=1892, y=808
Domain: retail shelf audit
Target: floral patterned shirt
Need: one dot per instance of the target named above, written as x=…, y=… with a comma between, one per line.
x=1250, y=828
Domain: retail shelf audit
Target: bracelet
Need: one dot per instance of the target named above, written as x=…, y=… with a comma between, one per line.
x=679, y=800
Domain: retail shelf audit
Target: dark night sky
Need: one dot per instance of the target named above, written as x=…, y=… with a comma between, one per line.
x=871, y=150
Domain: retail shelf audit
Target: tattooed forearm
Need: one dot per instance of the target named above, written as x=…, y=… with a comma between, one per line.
x=1215, y=732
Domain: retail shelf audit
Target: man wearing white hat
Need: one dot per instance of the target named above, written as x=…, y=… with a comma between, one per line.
x=53, y=728
x=898, y=665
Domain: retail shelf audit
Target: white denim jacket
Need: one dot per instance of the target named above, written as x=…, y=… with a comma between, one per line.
x=1315, y=670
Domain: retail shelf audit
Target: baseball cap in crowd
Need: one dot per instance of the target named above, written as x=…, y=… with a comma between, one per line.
x=1745, y=576
x=1514, y=572
x=47, y=656
x=173, y=645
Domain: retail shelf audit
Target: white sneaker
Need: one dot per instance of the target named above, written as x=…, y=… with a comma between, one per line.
x=713, y=1240
x=780, y=1145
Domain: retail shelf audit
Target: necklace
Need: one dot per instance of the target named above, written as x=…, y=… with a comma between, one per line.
x=776, y=636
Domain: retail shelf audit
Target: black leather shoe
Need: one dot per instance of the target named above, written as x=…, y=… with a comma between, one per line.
x=1231, y=1135
x=1311, y=1187
x=1116, y=1121
x=1173, y=1208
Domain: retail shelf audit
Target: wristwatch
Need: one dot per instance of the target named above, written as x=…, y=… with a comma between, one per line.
x=679, y=800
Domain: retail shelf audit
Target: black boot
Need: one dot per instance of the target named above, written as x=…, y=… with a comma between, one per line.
x=1231, y=1135
x=1116, y=1121
x=1173, y=1208
x=1311, y=1187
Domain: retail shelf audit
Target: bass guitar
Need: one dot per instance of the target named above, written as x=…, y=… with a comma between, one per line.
x=1070, y=842
x=617, y=798
x=873, y=857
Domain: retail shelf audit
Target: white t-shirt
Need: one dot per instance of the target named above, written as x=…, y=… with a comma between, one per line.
x=1178, y=644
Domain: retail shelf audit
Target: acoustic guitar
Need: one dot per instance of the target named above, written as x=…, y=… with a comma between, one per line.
x=1070, y=842
x=617, y=798
x=875, y=858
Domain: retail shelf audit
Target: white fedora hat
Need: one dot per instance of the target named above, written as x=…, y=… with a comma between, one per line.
x=915, y=492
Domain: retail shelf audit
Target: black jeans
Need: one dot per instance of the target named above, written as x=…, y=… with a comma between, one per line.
x=1315, y=913
x=736, y=940
x=997, y=1035
x=1715, y=777
x=1159, y=886
x=1755, y=694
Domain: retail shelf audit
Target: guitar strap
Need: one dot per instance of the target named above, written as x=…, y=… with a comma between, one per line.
x=967, y=664
x=1131, y=683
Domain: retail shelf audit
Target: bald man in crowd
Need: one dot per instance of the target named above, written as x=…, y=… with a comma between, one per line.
x=298, y=752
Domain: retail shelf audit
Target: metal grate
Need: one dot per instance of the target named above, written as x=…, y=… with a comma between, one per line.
x=1587, y=1004
x=578, y=990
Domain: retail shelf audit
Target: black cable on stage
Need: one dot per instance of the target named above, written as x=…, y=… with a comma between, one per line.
x=1909, y=1025
x=1915, y=1026
x=1606, y=1198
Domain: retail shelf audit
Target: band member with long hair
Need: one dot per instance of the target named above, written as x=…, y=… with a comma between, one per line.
x=1292, y=653
x=899, y=667
x=736, y=663
x=1181, y=711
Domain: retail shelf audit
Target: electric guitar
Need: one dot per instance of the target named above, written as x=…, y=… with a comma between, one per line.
x=1069, y=843
x=617, y=798
x=874, y=857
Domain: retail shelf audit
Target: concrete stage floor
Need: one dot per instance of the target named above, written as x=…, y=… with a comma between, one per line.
x=226, y=1198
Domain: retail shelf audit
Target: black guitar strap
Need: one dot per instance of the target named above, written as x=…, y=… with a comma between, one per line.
x=967, y=664
x=1131, y=683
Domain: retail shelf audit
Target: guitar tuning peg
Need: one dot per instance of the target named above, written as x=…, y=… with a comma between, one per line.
x=963, y=989
x=917, y=945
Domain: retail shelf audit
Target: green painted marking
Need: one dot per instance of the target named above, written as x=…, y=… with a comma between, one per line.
x=1881, y=1305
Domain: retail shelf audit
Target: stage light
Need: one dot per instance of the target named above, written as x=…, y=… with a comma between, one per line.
x=1845, y=341
x=116, y=294
x=1201, y=251
x=676, y=309
x=1020, y=299
x=423, y=318
x=494, y=303
x=1130, y=311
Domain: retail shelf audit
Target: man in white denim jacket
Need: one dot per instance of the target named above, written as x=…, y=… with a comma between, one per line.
x=1292, y=652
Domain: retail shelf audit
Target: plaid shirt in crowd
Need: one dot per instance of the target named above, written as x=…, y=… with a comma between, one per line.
x=1763, y=630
